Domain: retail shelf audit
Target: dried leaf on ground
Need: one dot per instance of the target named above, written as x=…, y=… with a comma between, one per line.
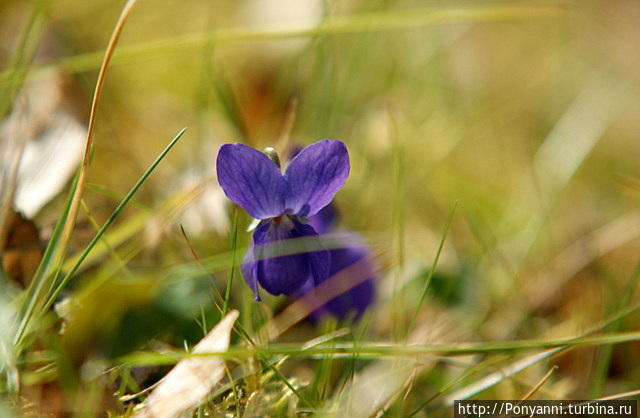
x=192, y=379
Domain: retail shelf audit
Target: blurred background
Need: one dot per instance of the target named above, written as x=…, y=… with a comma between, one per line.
x=518, y=119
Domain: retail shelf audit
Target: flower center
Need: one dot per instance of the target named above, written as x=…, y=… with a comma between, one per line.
x=285, y=221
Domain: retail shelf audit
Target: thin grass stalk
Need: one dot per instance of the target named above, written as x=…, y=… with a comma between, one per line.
x=366, y=22
x=18, y=66
x=84, y=168
x=375, y=350
x=436, y=259
x=232, y=273
x=38, y=281
x=110, y=220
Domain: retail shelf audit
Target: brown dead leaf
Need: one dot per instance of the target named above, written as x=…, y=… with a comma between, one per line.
x=192, y=379
x=22, y=250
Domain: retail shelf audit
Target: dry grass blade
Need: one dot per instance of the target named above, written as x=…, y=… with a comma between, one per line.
x=192, y=379
x=496, y=377
x=579, y=254
x=77, y=194
x=538, y=385
x=300, y=309
x=375, y=387
x=619, y=396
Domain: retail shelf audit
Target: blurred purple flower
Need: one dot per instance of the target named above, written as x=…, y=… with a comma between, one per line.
x=351, y=261
x=281, y=202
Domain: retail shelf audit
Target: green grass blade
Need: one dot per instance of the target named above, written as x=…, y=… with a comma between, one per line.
x=110, y=220
x=37, y=285
x=377, y=350
x=18, y=66
x=436, y=259
x=234, y=245
x=599, y=375
x=366, y=22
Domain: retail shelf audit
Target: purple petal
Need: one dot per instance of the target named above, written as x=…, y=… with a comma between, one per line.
x=252, y=180
x=320, y=262
x=325, y=219
x=286, y=274
x=351, y=264
x=315, y=175
x=359, y=298
x=249, y=272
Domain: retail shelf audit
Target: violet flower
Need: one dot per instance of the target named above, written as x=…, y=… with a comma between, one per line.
x=282, y=202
